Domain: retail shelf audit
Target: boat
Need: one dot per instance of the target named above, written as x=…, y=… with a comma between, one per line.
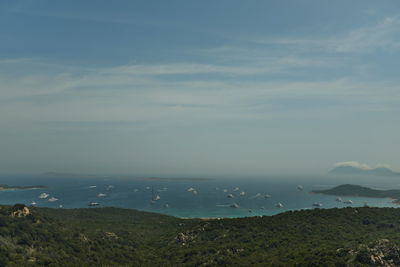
x=44, y=195
x=52, y=199
x=33, y=203
x=93, y=186
x=110, y=187
x=101, y=195
x=157, y=197
x=236, y=189
x=92, y=204
x=234, y=205
x=317, y=205
x=191, y=189
x=195, y=192
x=279, y=205
x=348, y=202
x=267, y=196
x=225, y=190
x=300, y=187
x=242, y=193
x=338, y=199
x=230, y=196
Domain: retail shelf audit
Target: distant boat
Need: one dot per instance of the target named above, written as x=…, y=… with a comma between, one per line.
x=60, y=206
x=92, y=204
x=225, y=190
x=101, y=195
x=338, y=199
x=267, y=196
x=234, y=205
x=191, y=189
x=33, y=203
x=236, y=189
x=195, y=192
x=110, y=187
x=348, y=202
x=43, y=195
x=148, y=187
x=317, y=205
x=166, y=205
x=230, y=196
x=52, y=199
x=93, y=186
x=279, y=205
x=157, y=197
x=300, y=187
x=242, y=193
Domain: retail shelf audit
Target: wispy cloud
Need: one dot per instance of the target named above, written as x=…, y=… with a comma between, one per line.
x=384, y=34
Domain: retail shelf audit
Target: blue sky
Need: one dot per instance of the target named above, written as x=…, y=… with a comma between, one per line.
x=198, y=88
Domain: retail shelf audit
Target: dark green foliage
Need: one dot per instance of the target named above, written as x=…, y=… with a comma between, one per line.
x=120, y=237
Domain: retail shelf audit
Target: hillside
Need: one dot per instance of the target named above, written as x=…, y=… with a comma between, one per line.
x=360, y=191
x=115, y=237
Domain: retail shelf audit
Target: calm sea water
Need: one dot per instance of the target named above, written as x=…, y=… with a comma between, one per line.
x=211, y=199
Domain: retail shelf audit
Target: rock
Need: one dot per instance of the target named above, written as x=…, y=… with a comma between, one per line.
x=380, y=253
x=20, y=211
x=183, y=238
x=111, y=235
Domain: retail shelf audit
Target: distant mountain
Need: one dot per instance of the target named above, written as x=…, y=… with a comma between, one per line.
x=352, y=170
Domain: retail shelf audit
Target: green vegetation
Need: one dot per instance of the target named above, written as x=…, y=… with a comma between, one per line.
x=360, y=191
x=10, y=187
x=120, y=237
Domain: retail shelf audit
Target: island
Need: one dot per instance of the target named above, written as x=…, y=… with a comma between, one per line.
x=4, y=187
x=361, y=191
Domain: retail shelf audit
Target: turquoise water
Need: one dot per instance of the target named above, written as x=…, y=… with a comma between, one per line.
x=210, y=201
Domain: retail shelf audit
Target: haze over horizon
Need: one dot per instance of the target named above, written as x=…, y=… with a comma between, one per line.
x=162, y=88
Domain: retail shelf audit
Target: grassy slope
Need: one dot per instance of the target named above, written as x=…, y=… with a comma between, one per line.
x=111, y=236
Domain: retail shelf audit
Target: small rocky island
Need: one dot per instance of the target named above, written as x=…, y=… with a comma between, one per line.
x=361, y=191
x=4, y=187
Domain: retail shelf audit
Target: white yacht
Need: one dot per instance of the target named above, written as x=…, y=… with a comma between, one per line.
x=300, y=187
x=279, y=205
x=242, y=193
x=44, y=195
x=338, y=199
x=234, y=205
x=101, y=195
x=92, y=204
x=317, y=205
x=52, y=199
x=230, y=196
x=348, y=202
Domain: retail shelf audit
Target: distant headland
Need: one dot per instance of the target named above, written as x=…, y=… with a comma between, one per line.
x=174, y=179
x=4, y=187
x=361, y=191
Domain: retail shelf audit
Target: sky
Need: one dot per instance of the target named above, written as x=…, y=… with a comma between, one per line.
x=198, y=88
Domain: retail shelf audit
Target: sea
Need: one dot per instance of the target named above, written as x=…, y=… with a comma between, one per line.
x=193, y=198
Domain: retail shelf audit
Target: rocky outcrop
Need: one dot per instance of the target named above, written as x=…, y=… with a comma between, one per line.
x=20, y=212
x=380, y=253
